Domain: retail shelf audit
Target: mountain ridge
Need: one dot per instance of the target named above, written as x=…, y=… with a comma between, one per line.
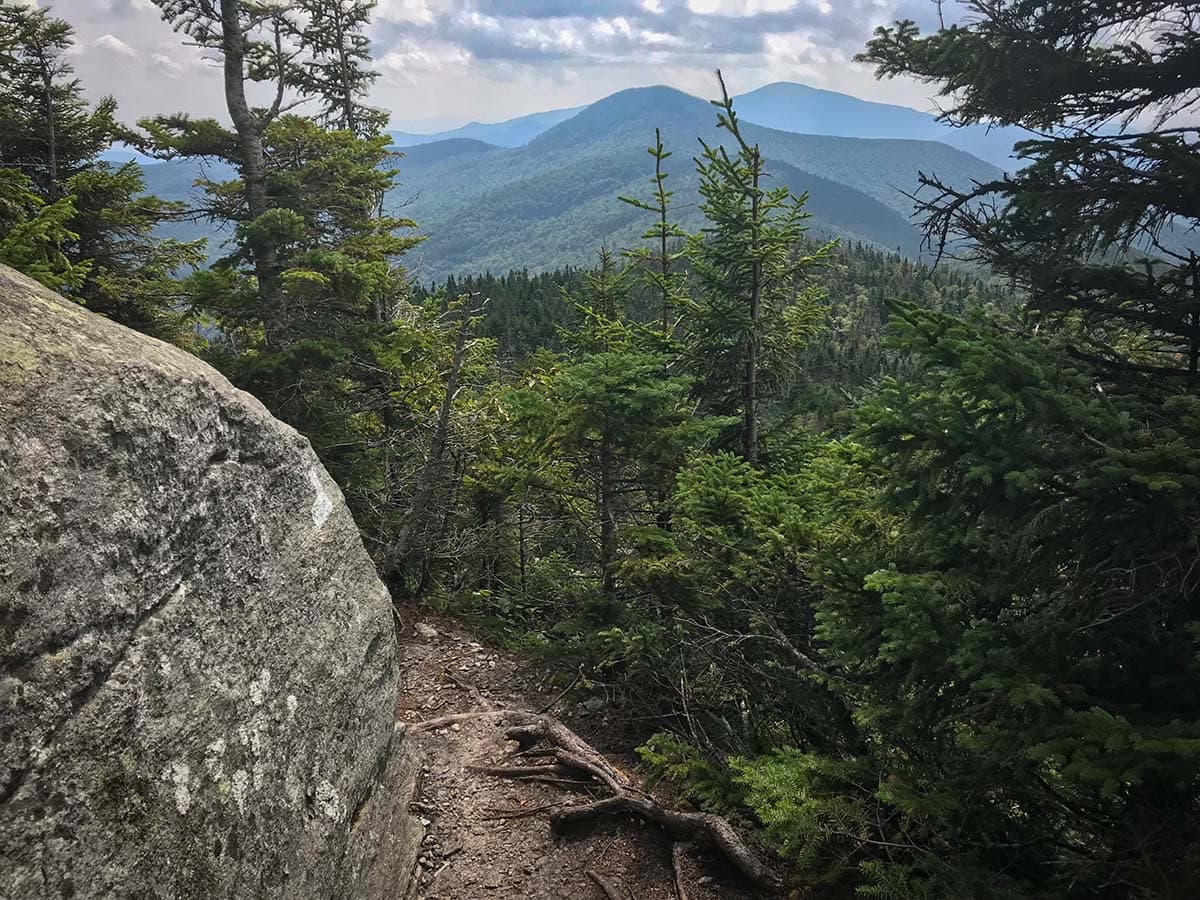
x=782, y=105
x=553, y=201
x=515, y=132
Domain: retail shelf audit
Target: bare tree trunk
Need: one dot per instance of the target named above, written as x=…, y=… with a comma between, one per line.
x=349, y=119
x=750, y=396
x=51, y=131
x=1194, y=349
x=608, y=525
x=426, y=478
x=249, y=128
x=664, y=259
x=522, y=549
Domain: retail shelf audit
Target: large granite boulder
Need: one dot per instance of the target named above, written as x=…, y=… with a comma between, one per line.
x=198, y=669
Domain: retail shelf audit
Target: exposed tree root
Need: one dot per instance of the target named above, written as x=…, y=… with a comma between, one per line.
x=574, y=755
x=677, y=867
x=680, y=825
x=443, y=721
x=606, y=885
x=469, y=688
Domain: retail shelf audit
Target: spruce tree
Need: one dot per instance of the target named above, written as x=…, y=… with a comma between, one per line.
x=338, y=68
x=256, y=44
x=310, y=300
x=601, y=420
x=658, y=259
x=34, y=235
x=1006, y=574
x=1098, y=226
x=755, y=303
x=50, y=137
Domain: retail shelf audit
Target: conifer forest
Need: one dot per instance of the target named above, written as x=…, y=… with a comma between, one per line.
x=885, y=551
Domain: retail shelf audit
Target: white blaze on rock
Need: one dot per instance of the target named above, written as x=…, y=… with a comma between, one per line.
x=259, y=688
x=322, y=505
x=241, y=784
x=178, y=772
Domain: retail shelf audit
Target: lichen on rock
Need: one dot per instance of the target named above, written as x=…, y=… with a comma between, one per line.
x=197, y=666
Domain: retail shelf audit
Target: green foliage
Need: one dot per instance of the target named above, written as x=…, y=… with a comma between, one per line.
x=1098, y=225
x=939, y=638
x=705, y=784
x=33, y=235
x=604, y=418
x=338, y=66
x=754, y=306
x=658, y=260
x=77, y=224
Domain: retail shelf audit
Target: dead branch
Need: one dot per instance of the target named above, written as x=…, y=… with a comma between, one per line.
x=556, y=774
x=521, y=771
x=496, y=814
x=549, y=706
x=443, y=721
x=605, y=884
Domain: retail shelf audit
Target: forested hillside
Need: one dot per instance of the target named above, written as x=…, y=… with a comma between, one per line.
x=892, y=567
x=557, y=196
x=552, y=202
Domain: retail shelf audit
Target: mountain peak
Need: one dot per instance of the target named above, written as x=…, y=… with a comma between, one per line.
x=633, y=110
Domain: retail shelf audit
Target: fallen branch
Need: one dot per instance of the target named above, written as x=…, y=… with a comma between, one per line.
x=498, y=813
x=520, y=771
x=443, y=721
x=469, y=688
x=605, y=884
x=549, y=706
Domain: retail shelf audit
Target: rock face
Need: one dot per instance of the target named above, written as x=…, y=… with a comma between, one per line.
x=198, y=670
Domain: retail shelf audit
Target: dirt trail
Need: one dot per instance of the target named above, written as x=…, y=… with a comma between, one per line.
x=474, y=846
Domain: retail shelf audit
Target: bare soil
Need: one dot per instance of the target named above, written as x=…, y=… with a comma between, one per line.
x=489, y=837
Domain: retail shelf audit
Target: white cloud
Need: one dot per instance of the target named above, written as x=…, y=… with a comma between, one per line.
x=115, y=45
x=739, y=7
x=473, y=18
x=413, y=12
x=550, y=38
x=170, y=63
x=409, y=59
x=492, y=59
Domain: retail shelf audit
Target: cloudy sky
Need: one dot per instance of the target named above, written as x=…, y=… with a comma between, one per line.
x=446, y=62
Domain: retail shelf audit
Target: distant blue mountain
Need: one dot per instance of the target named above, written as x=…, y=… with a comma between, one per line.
x=119, y=154
x=784, y=106
x=798, y=108
x=552, y=201
x=509, y=133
